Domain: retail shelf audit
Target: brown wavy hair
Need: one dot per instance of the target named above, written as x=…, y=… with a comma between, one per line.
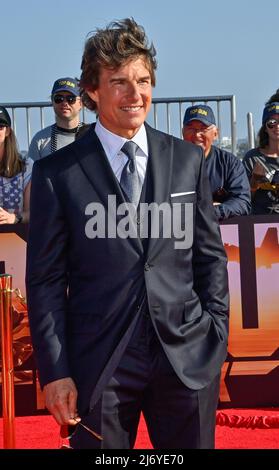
x=11, y=164
x=111, y=48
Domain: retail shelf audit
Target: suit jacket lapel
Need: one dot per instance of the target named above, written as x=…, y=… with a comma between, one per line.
x=161, y=153
x=94, y=163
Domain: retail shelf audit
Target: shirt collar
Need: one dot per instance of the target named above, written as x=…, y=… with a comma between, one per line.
x=112, y=143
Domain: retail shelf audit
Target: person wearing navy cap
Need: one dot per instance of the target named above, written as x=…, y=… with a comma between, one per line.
x=227, y=177
x=262, y=163
x=65, y=97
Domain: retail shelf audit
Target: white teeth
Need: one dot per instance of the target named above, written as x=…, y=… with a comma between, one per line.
x=131, y=108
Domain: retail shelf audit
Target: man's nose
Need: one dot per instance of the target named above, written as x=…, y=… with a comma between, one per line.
x=133, y=90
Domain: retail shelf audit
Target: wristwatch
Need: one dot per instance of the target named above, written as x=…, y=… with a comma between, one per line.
x=18, y=218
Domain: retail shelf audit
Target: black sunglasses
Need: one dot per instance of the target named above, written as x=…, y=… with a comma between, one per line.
x=2, y=126
x=60, y=98
x=271, y=123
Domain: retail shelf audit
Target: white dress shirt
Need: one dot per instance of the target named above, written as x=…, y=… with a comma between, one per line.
x=112, y=144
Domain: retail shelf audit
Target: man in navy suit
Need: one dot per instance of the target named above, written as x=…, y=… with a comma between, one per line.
x=126, y=271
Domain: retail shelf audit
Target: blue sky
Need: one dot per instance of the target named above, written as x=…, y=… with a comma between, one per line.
x=216, y=47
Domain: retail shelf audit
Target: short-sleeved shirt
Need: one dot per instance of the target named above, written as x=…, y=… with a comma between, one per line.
x=53, y=138
x=12, y=189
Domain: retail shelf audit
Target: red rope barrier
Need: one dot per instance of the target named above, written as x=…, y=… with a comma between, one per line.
x=253, y=422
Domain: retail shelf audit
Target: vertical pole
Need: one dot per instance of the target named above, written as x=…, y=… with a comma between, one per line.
x=251, y=134
x=233, y=125
x=155, y=115
x=168, y=118
x=219, y=125
x=8, y=402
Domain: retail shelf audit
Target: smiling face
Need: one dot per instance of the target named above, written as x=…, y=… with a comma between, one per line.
x=123, y=97
x=200, y=134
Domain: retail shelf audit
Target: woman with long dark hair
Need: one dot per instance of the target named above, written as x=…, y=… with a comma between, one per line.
x=15, y=176
x=262, y=163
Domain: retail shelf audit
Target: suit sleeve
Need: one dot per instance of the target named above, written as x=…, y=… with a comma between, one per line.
x=46, y=278
x=209, y=258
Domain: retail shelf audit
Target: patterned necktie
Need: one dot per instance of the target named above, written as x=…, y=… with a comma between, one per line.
x=130, y=180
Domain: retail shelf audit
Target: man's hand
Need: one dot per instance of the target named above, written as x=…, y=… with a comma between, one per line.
x=61, y=401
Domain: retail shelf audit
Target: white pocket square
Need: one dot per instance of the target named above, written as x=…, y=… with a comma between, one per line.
x=183, y=194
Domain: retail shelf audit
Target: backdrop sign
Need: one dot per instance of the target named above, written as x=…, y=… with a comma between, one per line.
x=251, y=373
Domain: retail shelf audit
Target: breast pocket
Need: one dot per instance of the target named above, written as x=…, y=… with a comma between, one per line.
x=183, y=211
x=184, y=196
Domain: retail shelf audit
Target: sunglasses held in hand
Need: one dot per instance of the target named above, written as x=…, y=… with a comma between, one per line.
x=67, y=431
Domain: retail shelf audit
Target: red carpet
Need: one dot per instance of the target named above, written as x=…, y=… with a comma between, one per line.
x=41, y=432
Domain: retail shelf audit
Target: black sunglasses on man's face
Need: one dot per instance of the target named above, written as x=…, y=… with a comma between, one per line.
x=60, y=98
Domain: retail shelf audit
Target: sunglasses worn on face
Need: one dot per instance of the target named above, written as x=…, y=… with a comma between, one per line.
x=61, y=98
x=271, y=123
x=2, y=126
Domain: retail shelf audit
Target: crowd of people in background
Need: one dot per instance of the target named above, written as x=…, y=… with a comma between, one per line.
x=235, y=191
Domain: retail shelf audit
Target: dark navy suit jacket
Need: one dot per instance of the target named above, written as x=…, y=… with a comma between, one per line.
x=84, y=293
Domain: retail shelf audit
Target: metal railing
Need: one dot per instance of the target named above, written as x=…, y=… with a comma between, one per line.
x=216, y=101
x=167, y=115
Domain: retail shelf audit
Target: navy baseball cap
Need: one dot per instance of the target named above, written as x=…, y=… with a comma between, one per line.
x=199, y=112
x=5, y=117
x=66, y=84
x=269, y=110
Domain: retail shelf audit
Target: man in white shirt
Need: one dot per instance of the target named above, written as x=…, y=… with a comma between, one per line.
x=128, y=310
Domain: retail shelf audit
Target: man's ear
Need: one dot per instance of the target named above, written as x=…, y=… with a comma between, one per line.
x=216, y=133
x=94, y=95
